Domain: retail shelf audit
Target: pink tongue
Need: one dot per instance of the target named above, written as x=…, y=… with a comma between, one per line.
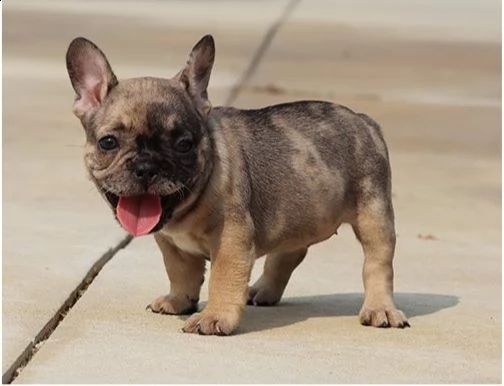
x=139, y=214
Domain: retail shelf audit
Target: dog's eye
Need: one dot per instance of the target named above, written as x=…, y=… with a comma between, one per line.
x=184, y=145
x=109, y=142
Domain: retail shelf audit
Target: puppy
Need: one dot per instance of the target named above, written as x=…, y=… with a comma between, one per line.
x=230, y=185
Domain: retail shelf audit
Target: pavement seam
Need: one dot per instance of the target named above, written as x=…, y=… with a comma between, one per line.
x=27, y=355
x=261, y=51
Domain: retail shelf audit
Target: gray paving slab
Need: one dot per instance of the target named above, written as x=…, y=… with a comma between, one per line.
x=55, y=224
x=447, y=194
x=449, y=287
x=451, y=20
x=369, y=65
x=313, y=336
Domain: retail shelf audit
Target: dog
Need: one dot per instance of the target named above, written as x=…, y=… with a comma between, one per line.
x=230, y=185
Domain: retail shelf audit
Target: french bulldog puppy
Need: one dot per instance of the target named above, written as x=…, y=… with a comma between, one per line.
x=230, y=185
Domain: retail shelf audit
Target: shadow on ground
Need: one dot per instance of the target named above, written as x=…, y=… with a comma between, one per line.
x=294, y=310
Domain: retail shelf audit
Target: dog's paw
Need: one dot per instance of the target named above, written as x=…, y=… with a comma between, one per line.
x=213, y=322
x=383, y=317
x=172, y=305
x=261, y=294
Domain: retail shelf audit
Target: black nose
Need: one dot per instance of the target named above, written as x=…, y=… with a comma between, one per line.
x=145, y=171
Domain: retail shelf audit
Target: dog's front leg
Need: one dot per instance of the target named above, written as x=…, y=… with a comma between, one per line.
x=186, y=274
x=232, y=263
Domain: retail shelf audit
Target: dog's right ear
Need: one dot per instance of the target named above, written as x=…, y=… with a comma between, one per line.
x=91, y=75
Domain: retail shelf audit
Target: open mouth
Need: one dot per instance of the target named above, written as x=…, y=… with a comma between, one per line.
x=145, y=213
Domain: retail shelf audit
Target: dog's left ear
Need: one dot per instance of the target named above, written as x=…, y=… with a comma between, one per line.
x=195, y=76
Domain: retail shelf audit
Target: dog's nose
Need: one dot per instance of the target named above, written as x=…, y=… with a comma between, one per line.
x=145, y=171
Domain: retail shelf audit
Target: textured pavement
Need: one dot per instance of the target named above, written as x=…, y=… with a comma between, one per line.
x=429, y=73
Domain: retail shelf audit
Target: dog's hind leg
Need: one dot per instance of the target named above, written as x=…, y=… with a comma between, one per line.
x=374, y=228
x=278, y=268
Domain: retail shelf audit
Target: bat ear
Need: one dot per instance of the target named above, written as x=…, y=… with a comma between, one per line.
x=195, y=76
x=90, y=73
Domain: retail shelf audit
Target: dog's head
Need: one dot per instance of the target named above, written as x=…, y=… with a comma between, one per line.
x=147, y=139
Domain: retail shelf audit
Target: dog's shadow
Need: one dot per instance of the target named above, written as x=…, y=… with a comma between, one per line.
x=293, y=310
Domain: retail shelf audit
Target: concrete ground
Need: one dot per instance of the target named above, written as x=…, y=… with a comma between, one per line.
x=428, y=71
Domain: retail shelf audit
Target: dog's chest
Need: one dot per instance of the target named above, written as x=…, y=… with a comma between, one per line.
x=186, y=243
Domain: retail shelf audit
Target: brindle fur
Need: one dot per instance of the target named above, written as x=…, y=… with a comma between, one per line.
x=271, y=181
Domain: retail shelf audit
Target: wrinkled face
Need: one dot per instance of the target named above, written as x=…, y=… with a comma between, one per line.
x=148, y=146
x=147, y=139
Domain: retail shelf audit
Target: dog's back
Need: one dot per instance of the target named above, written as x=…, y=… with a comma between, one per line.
x=318, y=157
